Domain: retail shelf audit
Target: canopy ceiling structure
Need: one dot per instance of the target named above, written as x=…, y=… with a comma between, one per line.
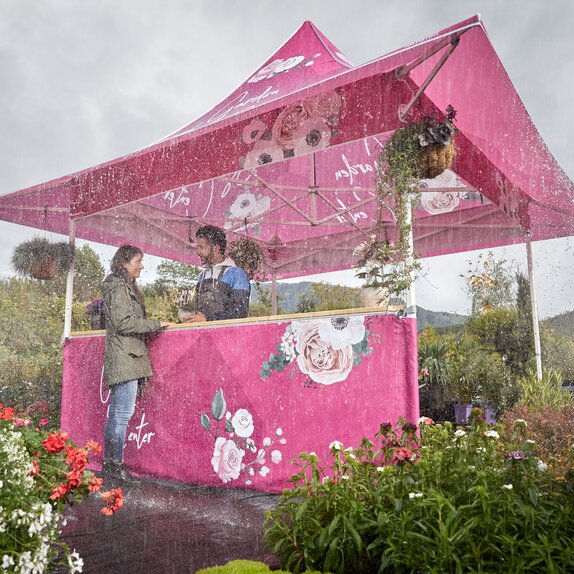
x=289, y=160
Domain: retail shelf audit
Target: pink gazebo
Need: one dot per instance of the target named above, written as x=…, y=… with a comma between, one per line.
x=289, y=158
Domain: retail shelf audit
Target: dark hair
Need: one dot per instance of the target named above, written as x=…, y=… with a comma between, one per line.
x=214, y=235
x=124, y=255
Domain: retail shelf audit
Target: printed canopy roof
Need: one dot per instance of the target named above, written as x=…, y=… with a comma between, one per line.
x=289, y=159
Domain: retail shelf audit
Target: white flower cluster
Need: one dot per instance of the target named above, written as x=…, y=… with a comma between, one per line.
x=15, y=461
x=288, y=345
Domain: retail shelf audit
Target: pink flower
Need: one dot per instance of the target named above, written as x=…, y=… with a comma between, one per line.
x=289, y=120
x=318, y=359
x=439, y=202
x=21, y=422
x=253, y=131
x=226, y=459
x=325, y=105
x=312, y=135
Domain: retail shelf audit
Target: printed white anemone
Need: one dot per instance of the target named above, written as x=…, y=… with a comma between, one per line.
x=342, y=331
x=254, y=131
x=312, y=135
x=263, y=152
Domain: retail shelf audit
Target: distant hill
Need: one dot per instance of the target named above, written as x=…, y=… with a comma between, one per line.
x=562, y=324
x=289, y=295
x=440, y=320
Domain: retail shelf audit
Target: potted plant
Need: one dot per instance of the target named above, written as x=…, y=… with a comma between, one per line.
x=437, y=150
x=247, y=254
x=42, y=259
x=95, y=312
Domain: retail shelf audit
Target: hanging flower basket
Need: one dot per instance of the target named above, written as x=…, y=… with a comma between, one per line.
x=437, y=150
x=247, y=254
x=435, y=158
x=42, y=259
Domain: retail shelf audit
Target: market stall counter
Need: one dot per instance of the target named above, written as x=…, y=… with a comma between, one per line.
x=232, y=403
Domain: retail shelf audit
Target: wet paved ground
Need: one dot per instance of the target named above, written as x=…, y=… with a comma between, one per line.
x=167, y=527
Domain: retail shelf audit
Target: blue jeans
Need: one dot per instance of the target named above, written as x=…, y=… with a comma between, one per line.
x=122, y=407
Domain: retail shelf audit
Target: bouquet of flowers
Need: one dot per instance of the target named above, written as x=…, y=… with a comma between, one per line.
x=95, y=306
x=41, y=472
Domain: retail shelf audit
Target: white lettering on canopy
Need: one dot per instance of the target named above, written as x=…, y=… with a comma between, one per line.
x=243, y=101
x=353, y=169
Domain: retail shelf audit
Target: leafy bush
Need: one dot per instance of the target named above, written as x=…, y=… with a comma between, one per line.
x=40, y=473
x=446, y=500
x=552, y=429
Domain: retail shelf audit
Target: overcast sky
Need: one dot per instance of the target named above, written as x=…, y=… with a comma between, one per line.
x=83, y=82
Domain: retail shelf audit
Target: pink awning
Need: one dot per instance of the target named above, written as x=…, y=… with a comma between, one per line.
x=288, y=158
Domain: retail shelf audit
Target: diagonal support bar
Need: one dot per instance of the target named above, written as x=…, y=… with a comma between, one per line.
x=405, y=109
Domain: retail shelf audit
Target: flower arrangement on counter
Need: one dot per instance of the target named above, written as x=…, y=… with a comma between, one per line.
x=42, y=472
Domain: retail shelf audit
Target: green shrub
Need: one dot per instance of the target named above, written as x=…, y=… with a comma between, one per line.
x=552, y=429
x=446, y=501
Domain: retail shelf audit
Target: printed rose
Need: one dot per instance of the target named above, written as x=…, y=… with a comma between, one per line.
x=226, y=459
x=439, y=202
x=325, y=105
x=287, y=122
x=242, y=422
x=318, y=359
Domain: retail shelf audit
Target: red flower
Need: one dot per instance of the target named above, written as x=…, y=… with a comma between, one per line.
x=93, y=446
x=402, y=453
x=43, y=422
x=35, y=468
x=76, y=458
x=60, y=491
x=95, y=484
x=55, y=442
x=74, y=477
x=113, y=500
x=7, y=413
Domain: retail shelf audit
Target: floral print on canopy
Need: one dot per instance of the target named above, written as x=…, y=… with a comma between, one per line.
x=235, y=452
x=247, y=205
x=298, y=129
x=324, y=350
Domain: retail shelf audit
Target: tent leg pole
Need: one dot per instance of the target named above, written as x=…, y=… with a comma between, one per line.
x=274, y=293
x=69, y=288
x=535, y=323
x=411, y=304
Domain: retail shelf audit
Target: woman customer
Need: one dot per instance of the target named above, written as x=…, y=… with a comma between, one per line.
x=127, y=365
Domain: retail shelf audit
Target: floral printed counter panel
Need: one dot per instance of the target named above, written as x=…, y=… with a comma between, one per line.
x=233, y=405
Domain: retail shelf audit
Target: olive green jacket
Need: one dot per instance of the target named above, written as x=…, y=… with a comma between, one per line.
x=126, y=356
